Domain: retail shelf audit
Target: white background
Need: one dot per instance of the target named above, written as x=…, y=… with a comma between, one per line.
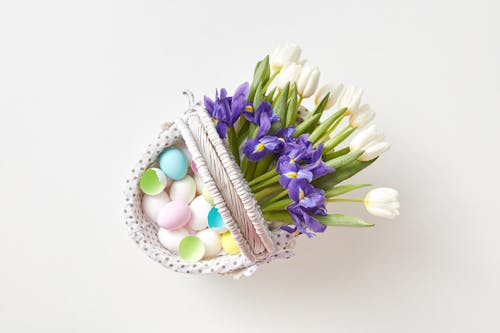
x=85, y=85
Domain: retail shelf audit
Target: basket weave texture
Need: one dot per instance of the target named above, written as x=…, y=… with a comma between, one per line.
x=232, y=197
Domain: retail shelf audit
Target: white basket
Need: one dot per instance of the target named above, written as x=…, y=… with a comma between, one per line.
x=232, y=196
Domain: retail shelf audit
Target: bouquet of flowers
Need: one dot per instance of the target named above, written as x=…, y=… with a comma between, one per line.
x=291, y=156
x=231, y=183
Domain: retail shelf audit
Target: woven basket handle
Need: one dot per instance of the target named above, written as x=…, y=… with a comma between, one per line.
x=222, y=175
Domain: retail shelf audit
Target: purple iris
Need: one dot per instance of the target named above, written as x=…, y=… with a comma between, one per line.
x=291, y=171
x=316, y=164
x=239, y=102
x=262, y=117
x=257, y=149
x=225, y=110
x=308, y=200
x=303, y=222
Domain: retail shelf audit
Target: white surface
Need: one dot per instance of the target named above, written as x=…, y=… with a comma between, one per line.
x=85, y=85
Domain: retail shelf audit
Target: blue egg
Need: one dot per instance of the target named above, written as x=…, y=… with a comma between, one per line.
x=215, y=220
x=173, y=163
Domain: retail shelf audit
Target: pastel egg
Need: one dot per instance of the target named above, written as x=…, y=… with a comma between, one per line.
x=208, y=197
x=173, y=162
x=199, y=213
x=229, y=244
x=211, y=240
x=199, y=183
x=153, y=181
x=151, y=204
x=215, y=221
x=191, y=249
x=174, y=215
x=184, y=189
x=171, y=239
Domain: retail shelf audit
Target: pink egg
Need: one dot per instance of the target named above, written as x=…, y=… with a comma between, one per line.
x=174, y=215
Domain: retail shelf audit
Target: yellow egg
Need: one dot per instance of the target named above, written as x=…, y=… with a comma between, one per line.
x=229, y=244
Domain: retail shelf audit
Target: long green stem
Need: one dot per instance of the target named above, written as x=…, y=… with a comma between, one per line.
x=233, y=144
x=264, y=89
x=345, y=200
x=278, y=205
x=268, y=182
x=262, y=177
x=275, y=198
x=259, y=195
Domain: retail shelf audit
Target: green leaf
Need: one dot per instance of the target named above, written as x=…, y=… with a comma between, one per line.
x=338, y=138
x=278, y=217
x=340, y=220
x=265, y=183
x=263, y=165
x=307, y=124
x=259, y=96
x=340, y=152
x=261, y=74
x=280, y=108
x=347, y=171
x=321, y=106
x=293, y=107
x=339, y=190
x=324, y=126
x=278, y=205
x=269, y=97
x=340, y=161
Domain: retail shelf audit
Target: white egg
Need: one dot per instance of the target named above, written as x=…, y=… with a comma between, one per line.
x=199, y=183
x=183, y=190
x=151, y=204
x=211, y=240
x=199, y=213
x=171, y=239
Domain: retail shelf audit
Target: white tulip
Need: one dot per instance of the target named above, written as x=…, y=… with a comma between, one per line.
x=371, y=141
x=383, y=202
x=361, y=116
x=289, y=74
x=335, y=90
x=285, y=54
x=351, y=99
x=308, y=80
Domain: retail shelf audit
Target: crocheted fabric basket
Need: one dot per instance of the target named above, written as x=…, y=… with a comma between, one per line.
x=259, y=241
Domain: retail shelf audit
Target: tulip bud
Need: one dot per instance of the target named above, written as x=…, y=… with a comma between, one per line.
x=361, y=116
x=351, y=98
x=289, y=74
x=307, y=82
x=335, y=90
x=383, y=202
x=283, y=55
x=371, y=141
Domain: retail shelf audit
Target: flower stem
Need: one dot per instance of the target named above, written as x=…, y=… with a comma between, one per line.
x=262, y=177
x=275, y=198
x=268, y=182
x=345, y=200
x=264, y=89
x=278, y=205
x=233, y=144
x=259, y=195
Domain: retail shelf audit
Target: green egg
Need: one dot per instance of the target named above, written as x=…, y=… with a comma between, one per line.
x=191, y=249
x=153, y=181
